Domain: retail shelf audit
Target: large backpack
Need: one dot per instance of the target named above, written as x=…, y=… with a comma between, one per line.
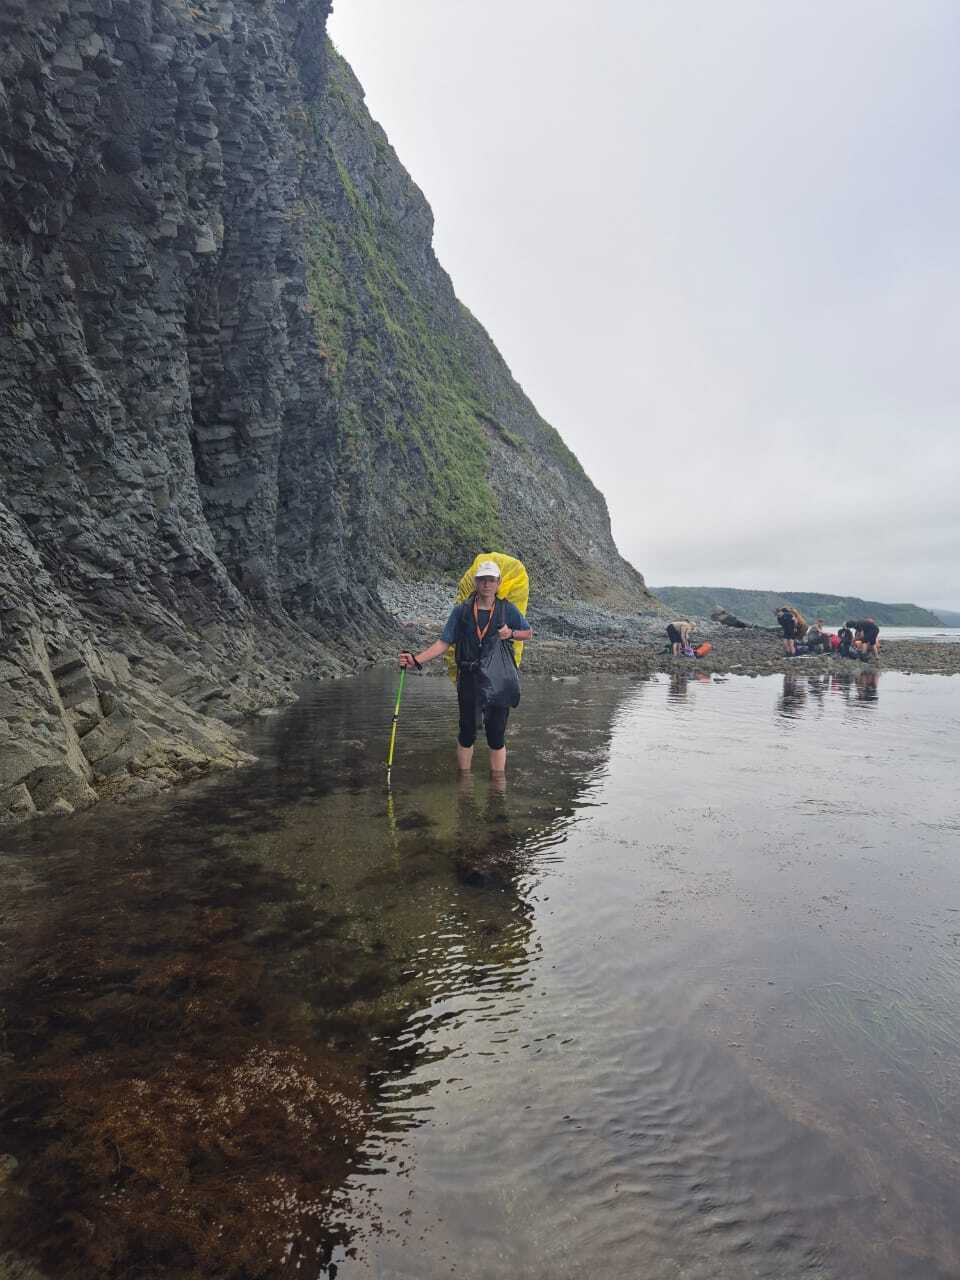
x=514, y=586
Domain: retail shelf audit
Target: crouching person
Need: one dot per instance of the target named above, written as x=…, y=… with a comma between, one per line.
x=871, y=639
x=816, y=641
x=678, y=633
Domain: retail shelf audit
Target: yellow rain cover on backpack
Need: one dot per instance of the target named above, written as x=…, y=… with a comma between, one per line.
x=514, y=586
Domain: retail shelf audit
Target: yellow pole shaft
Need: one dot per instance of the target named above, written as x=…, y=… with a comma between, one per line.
x=393, y=727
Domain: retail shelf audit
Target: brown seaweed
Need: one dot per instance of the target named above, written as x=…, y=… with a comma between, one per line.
x=171, y=1106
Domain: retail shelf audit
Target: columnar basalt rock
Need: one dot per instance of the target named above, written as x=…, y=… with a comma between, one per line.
x=236, y=388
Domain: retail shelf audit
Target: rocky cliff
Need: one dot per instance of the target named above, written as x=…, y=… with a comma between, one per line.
x=237, y=391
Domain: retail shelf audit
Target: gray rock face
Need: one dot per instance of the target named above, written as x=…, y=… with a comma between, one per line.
x=74, y=724
x=154, y=302
x=727, y=619
x=236, y=388
x=449, y=454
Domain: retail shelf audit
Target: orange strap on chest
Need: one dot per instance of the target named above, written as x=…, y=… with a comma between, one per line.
x=476, y=619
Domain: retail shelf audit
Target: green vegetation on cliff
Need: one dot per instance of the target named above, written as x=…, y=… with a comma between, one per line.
x=758, y=606
x=402, y=380
x=437, y=450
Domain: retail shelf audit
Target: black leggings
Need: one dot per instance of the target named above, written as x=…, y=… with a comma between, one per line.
x=494, y=718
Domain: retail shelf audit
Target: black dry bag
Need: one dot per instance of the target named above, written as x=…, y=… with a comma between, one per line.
x=499, y=679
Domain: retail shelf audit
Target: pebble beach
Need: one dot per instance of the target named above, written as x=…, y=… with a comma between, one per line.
x=575, y=638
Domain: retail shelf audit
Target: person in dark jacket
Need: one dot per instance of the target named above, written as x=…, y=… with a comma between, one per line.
x=845, y=636
x=871, y=638
x=788, y=625
x=866, y=641
x=473, y=627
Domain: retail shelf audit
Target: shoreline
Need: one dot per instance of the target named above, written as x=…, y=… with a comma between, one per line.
x=571, y=638
x=575, y=638
x=746, y=655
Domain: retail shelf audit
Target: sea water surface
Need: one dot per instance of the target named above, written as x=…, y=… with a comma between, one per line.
x=934, y=635
x=681, y=1000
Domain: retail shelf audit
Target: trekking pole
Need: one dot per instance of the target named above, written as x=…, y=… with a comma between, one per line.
x=393, y=727
x=396, y=710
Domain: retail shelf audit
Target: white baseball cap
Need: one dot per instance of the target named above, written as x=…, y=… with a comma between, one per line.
x=487, y=569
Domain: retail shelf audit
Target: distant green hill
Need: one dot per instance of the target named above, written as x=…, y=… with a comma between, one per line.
x=758, y=606
x=948, y=617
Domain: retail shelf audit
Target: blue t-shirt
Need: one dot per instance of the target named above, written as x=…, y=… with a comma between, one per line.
x=512, y=618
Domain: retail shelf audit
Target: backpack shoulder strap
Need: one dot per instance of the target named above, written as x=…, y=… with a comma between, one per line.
x=464, y=618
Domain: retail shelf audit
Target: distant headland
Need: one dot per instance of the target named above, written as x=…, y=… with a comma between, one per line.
x=757, y=606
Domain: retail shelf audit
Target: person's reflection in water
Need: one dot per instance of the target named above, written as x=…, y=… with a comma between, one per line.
x=818, y=685
x=471, y=811
x=465, y=788
x=497, y=813
x=866, y=682
x=791, y=702
x=841, y=684
x=678, y=687
x=468, y=811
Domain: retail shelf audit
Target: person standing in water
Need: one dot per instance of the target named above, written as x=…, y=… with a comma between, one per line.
x=473, y=628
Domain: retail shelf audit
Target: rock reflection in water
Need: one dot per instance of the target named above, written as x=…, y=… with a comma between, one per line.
x=680, y=999
x=736, y=1057
x=204, y=1000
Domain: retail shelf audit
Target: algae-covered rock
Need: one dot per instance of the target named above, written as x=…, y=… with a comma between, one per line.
x=52, y=782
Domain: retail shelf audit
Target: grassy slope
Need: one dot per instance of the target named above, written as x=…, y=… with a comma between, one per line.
x=402, y=355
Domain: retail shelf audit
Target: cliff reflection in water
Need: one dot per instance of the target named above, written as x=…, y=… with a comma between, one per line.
x=205, y=999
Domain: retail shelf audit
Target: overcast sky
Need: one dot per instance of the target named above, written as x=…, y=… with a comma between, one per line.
x=717, y=244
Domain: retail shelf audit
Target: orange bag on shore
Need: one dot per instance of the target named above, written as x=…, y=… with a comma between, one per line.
x=702, y=650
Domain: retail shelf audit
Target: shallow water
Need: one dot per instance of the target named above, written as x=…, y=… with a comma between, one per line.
x=683, y=1000
x=935, y=635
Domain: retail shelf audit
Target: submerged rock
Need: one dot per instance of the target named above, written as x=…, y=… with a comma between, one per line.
x=482, y=876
